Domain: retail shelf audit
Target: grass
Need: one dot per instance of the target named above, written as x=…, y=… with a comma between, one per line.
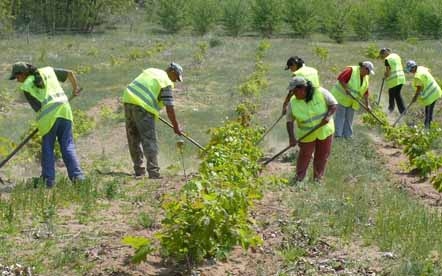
x=358, y=202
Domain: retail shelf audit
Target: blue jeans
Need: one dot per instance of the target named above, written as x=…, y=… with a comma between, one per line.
x=62, y=131
x=344, y=121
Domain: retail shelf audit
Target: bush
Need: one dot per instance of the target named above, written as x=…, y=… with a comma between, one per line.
x=396, y=18
x=335, y=21
x=235, y=16
x=171, y=14
x=267, y=16
x=302, y=16
x=429, y=19
x=364, y=19
x=203, y=15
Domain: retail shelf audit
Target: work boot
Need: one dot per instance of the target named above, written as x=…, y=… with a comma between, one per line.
x=140, y=172
x=155, y=176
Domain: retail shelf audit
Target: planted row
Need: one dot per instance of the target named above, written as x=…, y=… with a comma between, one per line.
x=418, y=144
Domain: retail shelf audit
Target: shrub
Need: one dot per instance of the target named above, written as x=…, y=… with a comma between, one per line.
x=364, y=19
x=266, y=16
x=235, y=16
x=203, y=15
x=335, y=21
x=429, y=19
x=302, y=16
x=171, y=14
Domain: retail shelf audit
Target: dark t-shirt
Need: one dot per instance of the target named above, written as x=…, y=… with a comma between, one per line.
x=62, y=75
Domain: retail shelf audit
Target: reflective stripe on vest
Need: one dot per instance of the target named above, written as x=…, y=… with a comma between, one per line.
x=431, y=90
x=54, y=103
x=357, y=89
x=48, y=109
x=145, y=89
x=309, y=115
x=57, y=96
x=152, y=102
x=397, y=75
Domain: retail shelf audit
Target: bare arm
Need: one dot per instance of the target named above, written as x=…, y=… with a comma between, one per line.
x=331, y=110
x=171, y=114
x=291, y=133
x=74, y=83
x=286, y=102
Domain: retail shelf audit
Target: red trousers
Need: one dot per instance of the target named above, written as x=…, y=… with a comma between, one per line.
x=321, y=149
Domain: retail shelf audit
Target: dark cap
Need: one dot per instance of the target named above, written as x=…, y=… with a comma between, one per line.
x=294, y=61
x=384, y=51
x=17, y=68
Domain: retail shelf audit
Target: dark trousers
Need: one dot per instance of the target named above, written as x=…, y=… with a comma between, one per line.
x=321, y=150
x=142, y=139
x=394, y=94
x=429, y=114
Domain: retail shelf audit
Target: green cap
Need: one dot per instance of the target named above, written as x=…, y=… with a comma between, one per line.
x=17, y=68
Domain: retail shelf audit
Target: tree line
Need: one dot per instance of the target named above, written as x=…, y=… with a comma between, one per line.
x=338, y=19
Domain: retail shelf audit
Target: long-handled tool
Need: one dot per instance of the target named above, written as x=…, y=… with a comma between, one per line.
x=180, y=146
x=366, y=108
x=184, y=135
x=380, y=92
x=403, y=113
x=26, y=140
x=269, y=129
x=289, y=146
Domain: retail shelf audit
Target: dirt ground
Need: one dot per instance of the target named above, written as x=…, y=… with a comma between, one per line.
x=395, y=161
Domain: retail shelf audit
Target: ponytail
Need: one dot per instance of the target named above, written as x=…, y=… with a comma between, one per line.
x=38, y=80
x=309, y=91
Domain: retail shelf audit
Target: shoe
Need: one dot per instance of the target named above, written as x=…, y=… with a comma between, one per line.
x=155, y=177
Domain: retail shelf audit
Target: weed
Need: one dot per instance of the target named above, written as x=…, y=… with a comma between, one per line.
x=112, y=189
x=292, y=254
x=372, y=51
x=145, y=220
x=321, y=52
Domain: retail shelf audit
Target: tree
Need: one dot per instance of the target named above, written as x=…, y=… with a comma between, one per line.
x=267, y=16
x=302, y=16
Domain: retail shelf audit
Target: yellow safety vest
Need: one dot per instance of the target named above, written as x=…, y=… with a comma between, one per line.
x=397, y=75
x=53, y=100
x=145, y=89
x=308, y=115
x=356, y=88
x=430, y=90
x=308, y=73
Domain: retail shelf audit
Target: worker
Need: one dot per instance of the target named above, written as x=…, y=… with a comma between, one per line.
x=354, y=80
x=44, y=93
x=427, y=89
x=298, y=68
x=310, y=107
x=394, y=77
x=143, y=100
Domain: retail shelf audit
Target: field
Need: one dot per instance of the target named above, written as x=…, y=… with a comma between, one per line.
x=369, y=217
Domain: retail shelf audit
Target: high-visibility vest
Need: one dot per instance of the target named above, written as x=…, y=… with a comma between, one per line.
x=308, y=73
x=308, y=115
x=145, y=89
x=355, y=86
x=53, y=100
x=430, y=90
x=397, y=75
